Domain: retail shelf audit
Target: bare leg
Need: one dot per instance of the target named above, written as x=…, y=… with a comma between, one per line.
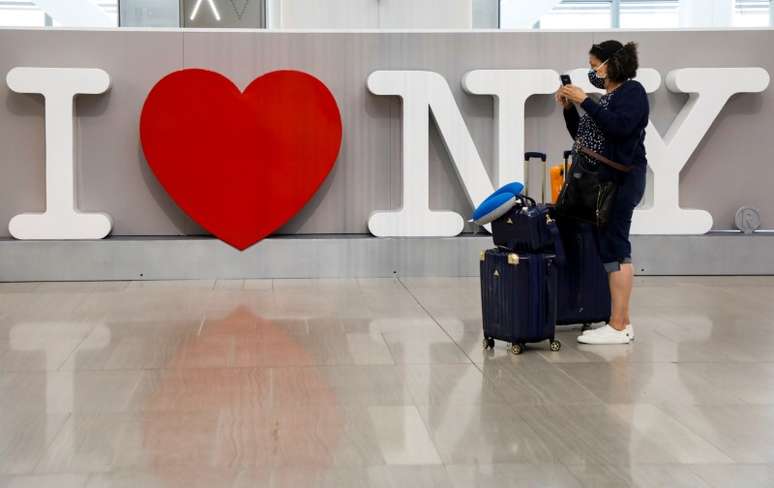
x=621, y=283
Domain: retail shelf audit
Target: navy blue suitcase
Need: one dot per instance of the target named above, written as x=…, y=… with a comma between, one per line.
x=518, y=298
x=584, y=291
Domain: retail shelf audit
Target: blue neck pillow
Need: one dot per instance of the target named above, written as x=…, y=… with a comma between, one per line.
x=514, y=188
x=497, y=204
x=493, y=208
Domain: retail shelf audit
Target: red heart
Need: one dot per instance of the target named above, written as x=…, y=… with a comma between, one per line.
x=240, y=164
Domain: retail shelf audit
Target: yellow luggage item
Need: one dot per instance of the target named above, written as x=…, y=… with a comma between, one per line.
x=557, y=181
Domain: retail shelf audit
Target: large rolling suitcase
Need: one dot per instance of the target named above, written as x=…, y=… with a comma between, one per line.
x=518, y=298
x=583, y=290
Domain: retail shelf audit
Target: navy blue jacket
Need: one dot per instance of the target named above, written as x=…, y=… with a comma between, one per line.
x=623, y=122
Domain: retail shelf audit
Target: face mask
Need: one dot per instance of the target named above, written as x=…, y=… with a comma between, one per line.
x=595, y=79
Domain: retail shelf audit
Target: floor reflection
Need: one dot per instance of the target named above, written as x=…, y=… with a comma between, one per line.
x=376, y=383
x=244, y=418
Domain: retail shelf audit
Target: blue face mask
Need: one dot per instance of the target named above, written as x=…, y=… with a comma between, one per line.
x=594, y=78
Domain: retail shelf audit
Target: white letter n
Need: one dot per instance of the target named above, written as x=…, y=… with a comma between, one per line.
x=423, y=91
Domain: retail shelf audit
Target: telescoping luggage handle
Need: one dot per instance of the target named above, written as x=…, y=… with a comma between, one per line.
x=535, y=155
x=527, y=157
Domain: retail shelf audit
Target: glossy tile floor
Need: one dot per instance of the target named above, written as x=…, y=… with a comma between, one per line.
x=376, y=383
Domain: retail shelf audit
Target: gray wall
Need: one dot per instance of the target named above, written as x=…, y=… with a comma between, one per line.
x=730, y=168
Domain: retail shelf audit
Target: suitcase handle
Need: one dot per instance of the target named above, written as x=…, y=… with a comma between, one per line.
x=530, y=202
x=535, y=155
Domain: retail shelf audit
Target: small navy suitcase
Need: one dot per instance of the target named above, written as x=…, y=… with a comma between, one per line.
x=526, y=228
x=518, y=298
x=584, y=291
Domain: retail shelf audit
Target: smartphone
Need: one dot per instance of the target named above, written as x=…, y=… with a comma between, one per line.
x=565, y=79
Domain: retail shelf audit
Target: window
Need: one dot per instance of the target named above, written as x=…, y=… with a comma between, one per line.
x=21, y=14
x=25, y=13
x=649, y=14
x=629, y=14
x=578, y=14
x=751, y=13
x=110, y=7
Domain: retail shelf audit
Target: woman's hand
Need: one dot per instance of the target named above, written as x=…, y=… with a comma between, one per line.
x=573, y=93
x=562, y=101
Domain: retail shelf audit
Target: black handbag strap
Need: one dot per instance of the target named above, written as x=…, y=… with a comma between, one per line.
x=609, y=162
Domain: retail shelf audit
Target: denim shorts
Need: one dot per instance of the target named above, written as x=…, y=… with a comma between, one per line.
x=615, y=247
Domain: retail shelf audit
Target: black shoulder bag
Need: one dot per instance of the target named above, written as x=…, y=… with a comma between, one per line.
x=585, y=196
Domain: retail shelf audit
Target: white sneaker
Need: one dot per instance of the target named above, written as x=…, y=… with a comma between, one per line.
x=605, y=335
x=629, y=330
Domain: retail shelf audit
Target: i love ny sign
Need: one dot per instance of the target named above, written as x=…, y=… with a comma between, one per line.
x=243, y=163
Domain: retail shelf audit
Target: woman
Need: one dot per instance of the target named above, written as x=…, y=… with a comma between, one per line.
x=615, y=128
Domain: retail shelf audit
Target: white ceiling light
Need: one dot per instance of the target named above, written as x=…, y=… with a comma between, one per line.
x=212, y=6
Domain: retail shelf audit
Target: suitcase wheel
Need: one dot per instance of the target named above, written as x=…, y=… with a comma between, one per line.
x=517, y=349
x=556, y=345
x=488, y=343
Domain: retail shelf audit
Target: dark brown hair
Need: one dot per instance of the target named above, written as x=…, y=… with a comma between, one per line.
x=622, y=60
